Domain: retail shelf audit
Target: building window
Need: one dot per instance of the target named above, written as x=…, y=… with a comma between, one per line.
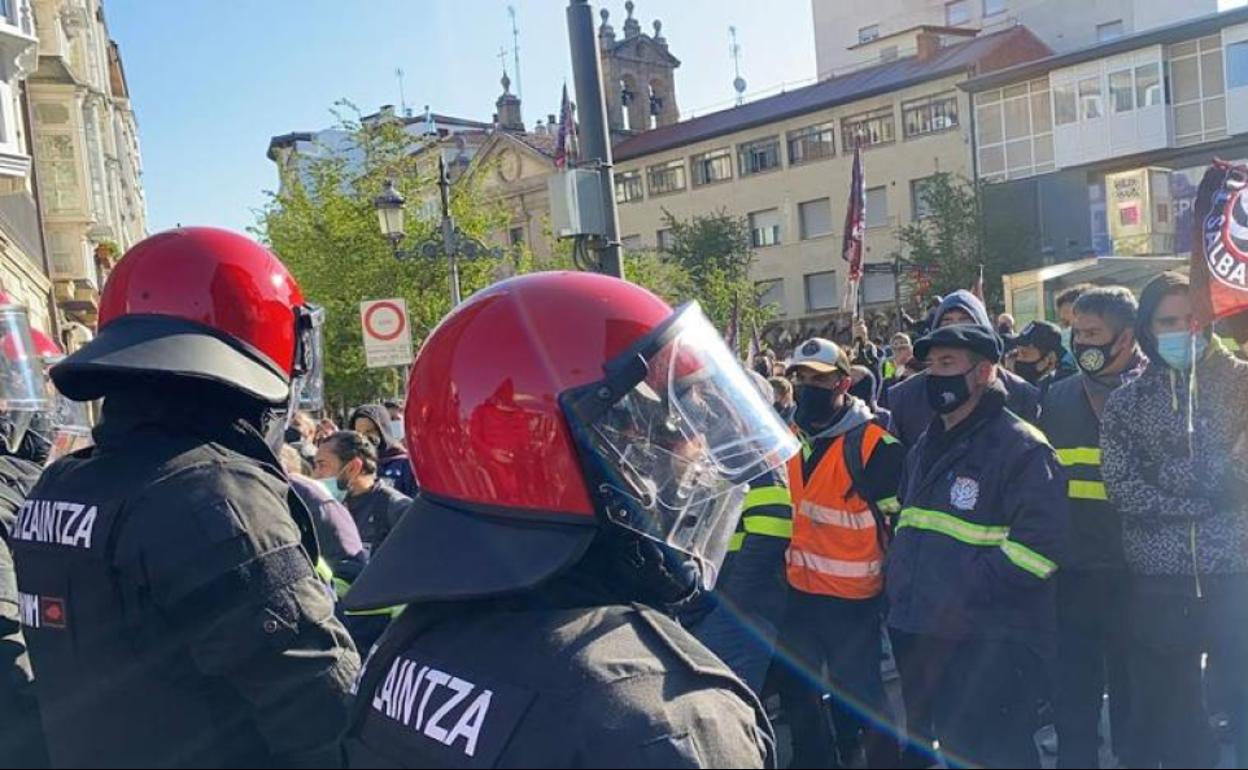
x=711, y=167
x=816, y=218
x=759, y=156
x=1121, y=91
x=1090, y=98
x=59, y=169
x=631, y=244
x=957, y=13
x=821, y=291
x=771, y=294
x=878, y=288
x=1110, y=30
x=1014, y=129
x=931, y=115
x=628, y=186
x=765, y=228
x=1196, y=90
x=812, y=143
x=919, y=205
x=515, y=237
x=663, y=239
x=1065, y=108
x=667, y=177
x=877, y=207
x=1237, y=65
x=867, y=34
x=1148, y=91
x=993, y=7
x=869, y=128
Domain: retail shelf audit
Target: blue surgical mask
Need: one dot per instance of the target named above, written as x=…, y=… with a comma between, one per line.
x=331, y=486
x=1175, y=349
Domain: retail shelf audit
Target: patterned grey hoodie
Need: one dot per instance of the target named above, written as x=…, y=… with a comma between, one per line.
x=1184, y=500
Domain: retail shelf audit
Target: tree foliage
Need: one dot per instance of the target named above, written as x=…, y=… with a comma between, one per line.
x=323, y=226
x=956, y=238
x=714, y=255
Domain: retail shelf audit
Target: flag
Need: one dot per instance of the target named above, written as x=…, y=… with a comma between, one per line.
x=1219, y=270
x=855, y=224
x=756, y=345
x=564, y=138
x=978, y=288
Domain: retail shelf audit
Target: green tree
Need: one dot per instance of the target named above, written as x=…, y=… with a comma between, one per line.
x=956, y=238
x=715, y=257
x=324, y=228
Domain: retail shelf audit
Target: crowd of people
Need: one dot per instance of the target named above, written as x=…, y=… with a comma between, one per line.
x=590, y=536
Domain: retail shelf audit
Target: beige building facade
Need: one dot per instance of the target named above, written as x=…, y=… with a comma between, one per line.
x=782, y=163
x=86, y=156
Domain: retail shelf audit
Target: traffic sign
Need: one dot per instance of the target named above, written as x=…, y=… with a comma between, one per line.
x=387, y=334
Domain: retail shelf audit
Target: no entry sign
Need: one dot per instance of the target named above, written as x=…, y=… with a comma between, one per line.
x=387, y=337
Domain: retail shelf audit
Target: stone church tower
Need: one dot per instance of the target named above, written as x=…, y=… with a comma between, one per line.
x=639, y=77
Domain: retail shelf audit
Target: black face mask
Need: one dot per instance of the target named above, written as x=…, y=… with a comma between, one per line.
x=946, y=394
x=1092, y=359
x=1029, y=370
x=815, y=408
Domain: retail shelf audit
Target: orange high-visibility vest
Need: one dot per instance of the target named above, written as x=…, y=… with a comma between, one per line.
x=836, y=548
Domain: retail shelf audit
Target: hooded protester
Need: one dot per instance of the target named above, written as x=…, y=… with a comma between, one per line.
x=347, y=468
x=911, y=413
x=1175, y=462
x=373, y=421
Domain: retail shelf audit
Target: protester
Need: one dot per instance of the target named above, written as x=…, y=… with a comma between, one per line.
x=575, y=490
x=346, y=465
x=747, y=607
x=864, y=388
x=900, y=366
x=339, y=537
x=1005, y=326
x=1175, y=453
x=981, y=532
x=1092, y=586
x=1065, y=304
x=783, y=401
x=174, y=614
x=764, y=363
x=911, y=413
x=1037, y=353
x=373, y=422
x=843, y=486
x=324, y=429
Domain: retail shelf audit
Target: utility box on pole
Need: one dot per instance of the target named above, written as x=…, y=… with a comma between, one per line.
x=576, y=204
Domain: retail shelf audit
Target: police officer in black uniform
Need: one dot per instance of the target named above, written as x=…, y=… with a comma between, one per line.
x=166, y=579
x=25, y=395
x=583, y=453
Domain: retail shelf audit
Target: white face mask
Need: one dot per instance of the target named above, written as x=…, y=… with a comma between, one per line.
x=396, y=430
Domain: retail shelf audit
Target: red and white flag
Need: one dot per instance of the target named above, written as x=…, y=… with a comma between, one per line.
x=855, y=226
x=563, y=140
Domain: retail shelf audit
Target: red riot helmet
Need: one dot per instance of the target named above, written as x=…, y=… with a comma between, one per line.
x=198, y=303
x=551, y=406
x=24, y=393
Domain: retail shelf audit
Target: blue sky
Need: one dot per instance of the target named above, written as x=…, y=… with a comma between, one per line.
x=211, y=82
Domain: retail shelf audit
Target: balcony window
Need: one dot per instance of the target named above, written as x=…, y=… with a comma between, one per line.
x=628, y=187
x=667, y=177
x=816, y=218
x=812, y=143
x=765, y=228
x=930, y=116
x=870, y=129
x=711, y=167
x=759, y=156
x=821, y=291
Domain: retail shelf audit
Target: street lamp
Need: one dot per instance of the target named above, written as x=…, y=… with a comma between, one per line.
x=451, y=241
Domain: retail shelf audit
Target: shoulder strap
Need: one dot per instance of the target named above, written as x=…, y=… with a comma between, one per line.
x=852, y=448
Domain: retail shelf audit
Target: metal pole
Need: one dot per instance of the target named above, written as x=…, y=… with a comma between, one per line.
x=449, y=240
x=592, y=109
x=897, y=292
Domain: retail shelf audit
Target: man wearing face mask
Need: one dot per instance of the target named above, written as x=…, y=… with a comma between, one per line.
x=346, y=464
x=843, y=486
x=1092, y=586
x=1175, y=461
x=982, y=529
x=907, y=401
x=166, y=578
x=373, y=422
x=1037, y=355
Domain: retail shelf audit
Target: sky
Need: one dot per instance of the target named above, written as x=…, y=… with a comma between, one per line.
x=212, y=82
